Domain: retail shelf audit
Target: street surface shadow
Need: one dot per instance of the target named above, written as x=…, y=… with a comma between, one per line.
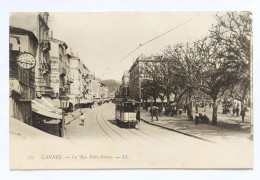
x=113, y=122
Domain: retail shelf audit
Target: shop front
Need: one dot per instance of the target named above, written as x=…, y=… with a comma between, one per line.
x=46, y=116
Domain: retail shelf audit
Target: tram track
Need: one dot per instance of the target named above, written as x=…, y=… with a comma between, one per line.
x=138, y=130
x=112, y=128
x=102, y=127
x=179, y=132
x=111, y=117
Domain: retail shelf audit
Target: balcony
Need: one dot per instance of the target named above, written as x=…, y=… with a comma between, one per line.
x=44, y=90
x=46, y=45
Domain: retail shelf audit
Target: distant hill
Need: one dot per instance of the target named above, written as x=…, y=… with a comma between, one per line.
x=111, y=84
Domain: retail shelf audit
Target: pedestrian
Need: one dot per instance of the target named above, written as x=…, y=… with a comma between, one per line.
x=237, y=111
x=234, y=111
x=160, y=111
x=174, y=111
x=243, y=113
x=138, y=118
x=156, y=113
x=82, y=119
x=184, y=108
x=163, y=110
x=197, y=119
x=197, y=108
x=188, y=111
x=151, y=112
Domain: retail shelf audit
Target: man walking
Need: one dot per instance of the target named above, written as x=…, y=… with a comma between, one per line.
x=151, y=112
x=138, y=116
x=237, y=111
x=82, y=119
x=243, y=113
x=234, y=111
x=156, y=113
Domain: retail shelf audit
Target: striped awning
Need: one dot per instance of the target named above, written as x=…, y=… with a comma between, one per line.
x=52, y=102
x=46, y=109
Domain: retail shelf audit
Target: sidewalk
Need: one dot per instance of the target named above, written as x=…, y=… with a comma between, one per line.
x=71, y=116
x=228, y=127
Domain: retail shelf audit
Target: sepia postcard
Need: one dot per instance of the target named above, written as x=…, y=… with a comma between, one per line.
x=130, y=90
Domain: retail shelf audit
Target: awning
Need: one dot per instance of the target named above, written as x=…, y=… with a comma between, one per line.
x=52, y=103
x=40, y=107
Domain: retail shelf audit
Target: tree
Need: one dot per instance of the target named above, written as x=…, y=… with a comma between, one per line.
x=215, y=65
x=234, y=33
x=149, y=90
x=165, y=79
x=182, y=58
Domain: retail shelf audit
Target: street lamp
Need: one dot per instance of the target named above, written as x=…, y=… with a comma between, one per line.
x=64, y=103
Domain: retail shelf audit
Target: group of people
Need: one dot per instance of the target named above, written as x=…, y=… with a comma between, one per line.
x=236, y=111
x=154, y=112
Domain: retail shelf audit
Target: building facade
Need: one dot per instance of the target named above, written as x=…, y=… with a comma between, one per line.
x=103, y=93
x=22, y=81
x=37, y=23
x=81, y=94
x=39, y=110
x=135, y=79
x=43, y=67
x=95, y=89
x=137, y=75
x=60, y=68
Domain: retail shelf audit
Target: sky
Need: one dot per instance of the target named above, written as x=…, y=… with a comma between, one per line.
x=102, y=39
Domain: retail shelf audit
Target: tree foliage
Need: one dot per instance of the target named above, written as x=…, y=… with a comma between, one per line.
x=217, y=65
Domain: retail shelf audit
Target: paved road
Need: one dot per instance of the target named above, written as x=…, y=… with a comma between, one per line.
x=100, y=124
x=150, y=146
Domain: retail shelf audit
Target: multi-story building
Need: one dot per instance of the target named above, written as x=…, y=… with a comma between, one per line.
x=75, y=74
x=43, y=109
x=103, y=92
x=22, y=89
x=135, y=79
x=60, y=63
x=80, y=89
x=124, y=87
x=86, y=86
x=137, y=75
x=95, y=89
x=38, y=24
x=43, y=68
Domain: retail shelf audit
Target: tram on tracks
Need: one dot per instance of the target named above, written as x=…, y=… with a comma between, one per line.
x=125, y=112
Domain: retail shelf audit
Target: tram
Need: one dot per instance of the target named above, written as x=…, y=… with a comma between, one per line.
x=125, y=112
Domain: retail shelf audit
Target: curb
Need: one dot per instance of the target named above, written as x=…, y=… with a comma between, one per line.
x=75, y=118
x=174, y=130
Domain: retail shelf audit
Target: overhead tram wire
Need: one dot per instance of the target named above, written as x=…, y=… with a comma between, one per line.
x=155, y=39
x=159, y=36
x=168, y=32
